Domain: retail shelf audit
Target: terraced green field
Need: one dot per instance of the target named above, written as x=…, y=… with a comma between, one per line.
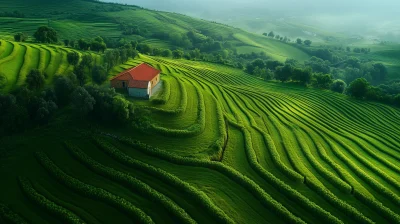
x=18, y=59
x=222, y=147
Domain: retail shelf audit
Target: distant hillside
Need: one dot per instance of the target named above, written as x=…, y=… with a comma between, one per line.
x=75, y=19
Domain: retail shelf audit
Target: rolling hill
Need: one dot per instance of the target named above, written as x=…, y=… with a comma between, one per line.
x=75, y=19
x=219, y=145
x=225, y=147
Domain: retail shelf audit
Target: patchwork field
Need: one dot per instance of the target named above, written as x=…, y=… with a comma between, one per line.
x=18, y=59
x=222, y=147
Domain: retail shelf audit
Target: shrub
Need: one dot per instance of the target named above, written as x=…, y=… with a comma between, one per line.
x=136, y=185
x=164, y=96
x=196, y=197
x=10, y=216
x=338, y=86
x=66, y=215
x=91, y=191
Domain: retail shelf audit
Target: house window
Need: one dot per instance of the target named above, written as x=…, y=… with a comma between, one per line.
x=123, y=85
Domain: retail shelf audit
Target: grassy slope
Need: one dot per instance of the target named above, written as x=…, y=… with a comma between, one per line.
x=72, y=22
x=326, y=137
x=16, y=60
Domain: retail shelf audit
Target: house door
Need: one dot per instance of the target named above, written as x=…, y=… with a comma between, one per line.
x=123, y=85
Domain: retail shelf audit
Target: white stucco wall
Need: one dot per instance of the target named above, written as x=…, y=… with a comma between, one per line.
x=138, y=92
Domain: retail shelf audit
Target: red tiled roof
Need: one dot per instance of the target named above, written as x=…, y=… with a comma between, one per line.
x=142, y=72
x=138, y=84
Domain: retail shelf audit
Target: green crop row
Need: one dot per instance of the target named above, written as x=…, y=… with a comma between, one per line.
x=189, y=191
x=91, y=191
x=63, y=213
x=164, y=96
x=234, y=175
x=182, y=107
x=391, y=216
x=277, y=159
x=291, y=193
x=195, y=129
x=337, y=182
x=10, y=216
x=222, y=140
x=133, y=183
x=372, y=182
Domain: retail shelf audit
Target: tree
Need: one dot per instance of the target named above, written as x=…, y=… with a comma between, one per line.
x=299, y=41
x=82, y=101
x=63, y=87
x=283, y=73
x=397, y=100
x=271, y=34
x=379, y=73
x=20, y=37
x=87, y=61
x=99, y=74
x=145, y=49
x=277, y=37
x=79, y=71
x=302, y=75
x=45, y=34
x=178, y=54
x=358, y=88
x=338, y=86
x=348, y=49
x=97, y=44
x=122, y=109
x=66, y=42
x=308, y=42
x=35, y=79
x=167, y=53
x=3, y=81
x=73, y=58
x=322, y=81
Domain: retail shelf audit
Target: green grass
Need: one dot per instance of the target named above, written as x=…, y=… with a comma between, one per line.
x=279, y=149
x=223, y=146
x=18, y=59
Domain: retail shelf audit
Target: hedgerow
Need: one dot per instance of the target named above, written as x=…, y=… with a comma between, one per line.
x=63, y=213
x=277, y=160
x=195, y=129
x=324, y=215
x=131, y=182
x=189, y=191
x=164, y=96
x=91, y=191
x=219, y=145
x=378, y=206
x=182, y=107
x=337, y=182
x=372, y=182
x=10, y=216
x=234, y=175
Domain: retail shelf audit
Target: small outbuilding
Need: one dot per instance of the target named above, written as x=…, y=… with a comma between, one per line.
x=138, y=81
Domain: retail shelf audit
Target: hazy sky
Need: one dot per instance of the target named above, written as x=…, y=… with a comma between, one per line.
x=381, y=16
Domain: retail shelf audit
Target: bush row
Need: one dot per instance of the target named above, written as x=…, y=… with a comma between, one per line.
x=342, y=172
x=284, y=188
x=293, y=175
x=195, y=129
x=10, y=216
x=59, y=211
x=189, y=191
x=164, y=96
x=91, y=191
x=337, y=182
x=372, y=182
x=329, y=196
x=131, y=182
x=388, y=214
x=221, y=142
x=232, y=174
x=182, y=107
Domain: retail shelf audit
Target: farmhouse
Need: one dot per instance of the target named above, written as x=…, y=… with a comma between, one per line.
x=139, y=81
